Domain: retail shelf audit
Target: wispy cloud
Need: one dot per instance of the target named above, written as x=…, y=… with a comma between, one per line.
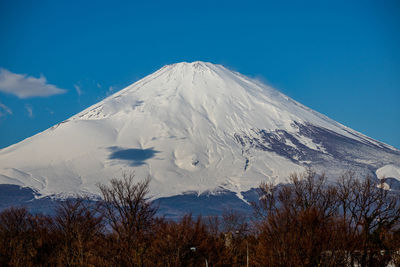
x=78, y=89
x=110, y=91
x=29, y=109
x=51, y=112
x=4, y=110
x=24, y=86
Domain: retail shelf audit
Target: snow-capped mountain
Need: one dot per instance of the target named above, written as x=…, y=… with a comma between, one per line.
x=191, y=127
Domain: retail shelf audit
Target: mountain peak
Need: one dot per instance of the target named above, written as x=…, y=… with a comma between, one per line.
x=185, y=90
x=192, y=127
x=195, y=64
x=189, y=68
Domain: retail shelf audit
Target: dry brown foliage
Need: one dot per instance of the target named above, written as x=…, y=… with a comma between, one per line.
x=308, y=222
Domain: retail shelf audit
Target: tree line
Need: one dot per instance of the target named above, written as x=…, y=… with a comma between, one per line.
x=307, y=222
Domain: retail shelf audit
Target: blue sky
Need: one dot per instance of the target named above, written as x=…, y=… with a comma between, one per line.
x=341, y=58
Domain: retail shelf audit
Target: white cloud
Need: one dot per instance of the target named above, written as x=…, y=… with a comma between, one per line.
x=78, y=89
x=24, y=86
x=29, y=109
x=4, y=108
x=50, y=111
x=110, y=90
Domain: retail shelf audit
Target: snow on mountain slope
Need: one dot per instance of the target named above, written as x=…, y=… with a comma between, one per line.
x=387, y=171
x=191, y=127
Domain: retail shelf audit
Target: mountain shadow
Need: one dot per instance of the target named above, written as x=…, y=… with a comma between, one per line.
x=133, y=156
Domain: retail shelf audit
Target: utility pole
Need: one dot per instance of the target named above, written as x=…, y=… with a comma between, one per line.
x=205, y=258
x=247, y=247
x=247, y=253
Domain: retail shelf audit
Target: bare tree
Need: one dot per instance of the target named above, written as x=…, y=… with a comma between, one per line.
x=186, y=243
x=78, y=227
x=130, y=214
x=372, y=215
x=297, y=225
x=24, y=238
x=16, y=245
